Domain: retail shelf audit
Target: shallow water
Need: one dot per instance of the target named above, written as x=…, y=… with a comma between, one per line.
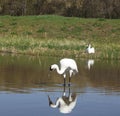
x=26, y=83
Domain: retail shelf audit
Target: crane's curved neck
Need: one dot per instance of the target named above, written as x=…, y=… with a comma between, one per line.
x=89, y=46
x=59, y=71
x=56, y=104
x=60, y=102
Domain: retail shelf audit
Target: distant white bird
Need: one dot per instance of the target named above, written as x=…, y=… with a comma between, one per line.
x=66, y=65
x=90, y=49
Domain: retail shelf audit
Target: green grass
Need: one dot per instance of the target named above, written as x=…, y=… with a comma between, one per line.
x=60, y=36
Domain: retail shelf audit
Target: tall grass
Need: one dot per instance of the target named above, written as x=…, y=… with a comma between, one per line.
x=60, y=36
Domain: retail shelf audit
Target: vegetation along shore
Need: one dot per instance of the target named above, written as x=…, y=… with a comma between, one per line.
x=60, y=36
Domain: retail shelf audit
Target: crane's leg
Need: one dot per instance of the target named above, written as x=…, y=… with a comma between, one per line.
x=64, y=80
x=69, y=91
x=71, y=71
x=64, y=93
x=69, y=81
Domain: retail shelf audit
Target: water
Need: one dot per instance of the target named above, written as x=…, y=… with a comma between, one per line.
x=27, y=85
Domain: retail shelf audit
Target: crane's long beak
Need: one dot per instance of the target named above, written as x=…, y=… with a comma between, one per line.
x=50, y=102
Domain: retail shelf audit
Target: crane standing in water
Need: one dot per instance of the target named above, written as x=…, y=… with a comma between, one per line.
x=66, y=65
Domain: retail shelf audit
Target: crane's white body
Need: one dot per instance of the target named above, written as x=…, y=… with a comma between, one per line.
x=66, y=65
x=90, y=50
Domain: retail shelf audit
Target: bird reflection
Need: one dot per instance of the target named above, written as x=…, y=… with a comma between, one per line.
x=90, y=63
x=65, y=103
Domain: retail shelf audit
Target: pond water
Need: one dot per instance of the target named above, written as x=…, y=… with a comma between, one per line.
x=27, y=87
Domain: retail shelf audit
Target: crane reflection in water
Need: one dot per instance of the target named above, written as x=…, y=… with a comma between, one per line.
x=65, y=103
x=90, y=63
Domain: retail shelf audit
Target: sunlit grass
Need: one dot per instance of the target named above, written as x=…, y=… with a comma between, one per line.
x=60, y=36
x=54, y=48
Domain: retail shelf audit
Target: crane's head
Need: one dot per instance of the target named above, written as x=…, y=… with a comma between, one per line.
x=53, y=67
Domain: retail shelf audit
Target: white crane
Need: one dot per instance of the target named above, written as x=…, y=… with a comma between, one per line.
x=66, y=65
x=90, y=50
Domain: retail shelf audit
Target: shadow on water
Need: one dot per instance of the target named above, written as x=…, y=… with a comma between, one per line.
x=28, y=80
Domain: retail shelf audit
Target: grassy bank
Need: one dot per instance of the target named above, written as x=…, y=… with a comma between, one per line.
x=60, y=36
